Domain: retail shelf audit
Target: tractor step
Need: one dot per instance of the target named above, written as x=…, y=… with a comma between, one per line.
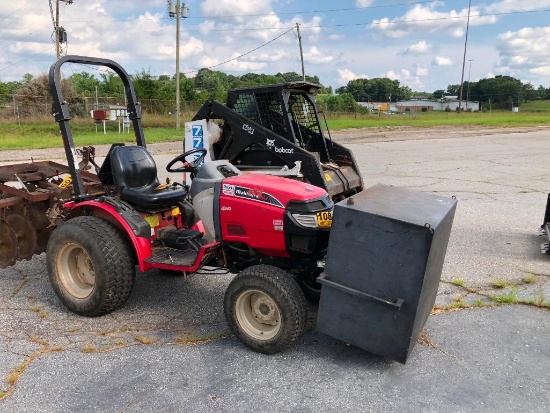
x=172, y=256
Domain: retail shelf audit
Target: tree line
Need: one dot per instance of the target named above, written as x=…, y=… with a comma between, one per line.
x=161, y=89
x=206, y=84
x=498, y=92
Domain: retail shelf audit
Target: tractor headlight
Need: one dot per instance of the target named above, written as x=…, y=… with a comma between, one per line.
x=306, y=220
x=322, y=219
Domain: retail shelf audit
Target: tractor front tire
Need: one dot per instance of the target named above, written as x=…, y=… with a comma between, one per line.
x=265, y=308
x=310, y=287
x=90, y=265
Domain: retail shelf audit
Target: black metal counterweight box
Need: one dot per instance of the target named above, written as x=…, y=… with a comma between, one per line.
x=385, y=256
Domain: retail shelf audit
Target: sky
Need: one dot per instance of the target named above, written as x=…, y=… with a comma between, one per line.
x=419, y=43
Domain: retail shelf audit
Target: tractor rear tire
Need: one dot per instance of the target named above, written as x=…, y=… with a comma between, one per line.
x=90, y=265
x=265, y=308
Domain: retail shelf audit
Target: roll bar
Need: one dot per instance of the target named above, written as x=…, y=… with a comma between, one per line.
x=60, y=110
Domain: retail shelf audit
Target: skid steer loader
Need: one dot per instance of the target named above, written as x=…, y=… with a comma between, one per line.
x=277, y=129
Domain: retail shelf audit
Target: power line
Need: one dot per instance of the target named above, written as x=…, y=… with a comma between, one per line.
x=318, y=11
x=395, y=22
x=16, y=39
x=216, y=65
x=244, y=54
x=426, y=20
x=272, y=13
x=12, y=13
x=27, y=58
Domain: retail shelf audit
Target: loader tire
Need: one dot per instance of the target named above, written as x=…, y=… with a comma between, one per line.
x=90, y=265
x=265, y=308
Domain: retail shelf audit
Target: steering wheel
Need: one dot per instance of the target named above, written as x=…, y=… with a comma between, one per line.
x=187, y=166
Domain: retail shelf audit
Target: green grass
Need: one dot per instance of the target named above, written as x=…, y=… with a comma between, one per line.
x=479, y=302
x=500, y=283
x=44, y=132
x=530, y=278
x=499, y=119
x=535, y=106
x=510, y=297
x=458, y=282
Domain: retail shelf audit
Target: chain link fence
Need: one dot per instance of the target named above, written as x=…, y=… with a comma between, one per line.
x=26, y=108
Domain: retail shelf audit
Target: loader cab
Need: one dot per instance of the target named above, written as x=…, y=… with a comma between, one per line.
x=287, y=109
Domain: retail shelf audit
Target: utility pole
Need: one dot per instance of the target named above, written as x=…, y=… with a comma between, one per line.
x=301, y=52
x=177, y=11
x=468, y=90
x=57, y=45
x=464, y=58
x=59, y=32
x=177, y=64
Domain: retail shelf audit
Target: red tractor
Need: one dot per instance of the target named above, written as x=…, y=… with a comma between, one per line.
x=383, y=260
x=272, y=231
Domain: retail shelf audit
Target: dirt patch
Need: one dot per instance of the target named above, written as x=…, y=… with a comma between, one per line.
x=400, y=133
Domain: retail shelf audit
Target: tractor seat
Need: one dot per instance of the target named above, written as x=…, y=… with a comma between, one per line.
x=135, y=177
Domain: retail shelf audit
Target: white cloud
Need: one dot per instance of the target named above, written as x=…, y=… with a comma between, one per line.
x=426, y=19
x=541, y=70
x=525, y=50
x=253, y=20
x=233, y=65
x=510, y=6
x=276, y=56
x=442, y=61
x=419, y=48
x=363, y=3
x=231, y=9
x=314, y=56
x=336, y=36
x=207, y=26
x=405, y=78
x=422, y=71
x=345, y=75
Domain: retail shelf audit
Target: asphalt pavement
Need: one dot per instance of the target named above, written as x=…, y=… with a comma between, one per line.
x=169, y=349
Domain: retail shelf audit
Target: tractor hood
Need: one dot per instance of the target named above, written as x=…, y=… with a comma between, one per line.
x=271, y=190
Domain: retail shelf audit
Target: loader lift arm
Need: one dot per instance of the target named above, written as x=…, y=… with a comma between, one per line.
x=244, y=143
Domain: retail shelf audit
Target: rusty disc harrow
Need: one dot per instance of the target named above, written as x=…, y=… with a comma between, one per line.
x=41, y=225
x=8, y=245
x=26, y=235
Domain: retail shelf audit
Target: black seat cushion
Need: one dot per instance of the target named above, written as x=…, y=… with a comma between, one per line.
x=135, y=177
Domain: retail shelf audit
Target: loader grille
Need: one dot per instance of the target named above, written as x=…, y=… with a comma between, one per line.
x=263, y=108
x=303, y=113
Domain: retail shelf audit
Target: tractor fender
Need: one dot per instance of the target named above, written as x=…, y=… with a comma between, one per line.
x=141, y=244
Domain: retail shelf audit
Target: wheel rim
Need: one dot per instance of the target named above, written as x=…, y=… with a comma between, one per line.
x=75, y=270
x=258, y=315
